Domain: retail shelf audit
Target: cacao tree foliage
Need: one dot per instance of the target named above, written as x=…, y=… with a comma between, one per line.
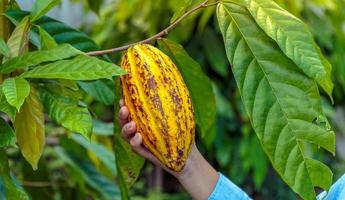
x=266, y=79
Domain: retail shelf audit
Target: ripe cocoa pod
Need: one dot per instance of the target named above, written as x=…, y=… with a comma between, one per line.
x=159, y=103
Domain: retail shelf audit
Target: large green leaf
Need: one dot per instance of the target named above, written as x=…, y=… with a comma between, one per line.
x=29, y=127
x=37, y=57
x=9, y=190
x=15, y=91
x=79, y=68
x=67, y=112
x=283, y=104
x=199, y=85
x=294, y=39
x=128, y=163
x=6, y=107
x=4, y=50
x=100, y=90
x=41, y=7
x=102, y=153
x=7, y=137
x=89, y=173
x=18, y=41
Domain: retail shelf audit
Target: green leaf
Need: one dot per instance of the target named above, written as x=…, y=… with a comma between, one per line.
x=100, y=90
x=89, y=173
x=128, y=163
x=66, y=111
x=79, y=68
x=46, y=40
x=95, y=5
x=58, y=30
x=9, y=189
x=33, y=58
x=4, y=50
x=7, y=135
x=6, y=107
x=41, y=7
x=199, y=85
x=102, y=153
x=29, y=127
x=215, y=52
x=183, y=6
x=15, y=91
x=103, y=129
x=283, y=103
x=18, y=42
x=294, y=39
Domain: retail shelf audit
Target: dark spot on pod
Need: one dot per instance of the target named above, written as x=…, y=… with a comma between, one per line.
x=158, y=61
x=166, y=79
x=176, y=99
x=152, y=83
x=180, y=154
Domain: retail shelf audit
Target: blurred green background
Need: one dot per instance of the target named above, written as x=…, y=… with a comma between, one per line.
x=73, y=168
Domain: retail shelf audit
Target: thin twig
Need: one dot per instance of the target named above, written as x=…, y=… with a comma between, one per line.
x=158, y=35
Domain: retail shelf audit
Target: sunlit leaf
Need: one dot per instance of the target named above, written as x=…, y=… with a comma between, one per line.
x=33, y=58
x=15, y=91
x=283, y=103
x=79, y=68
x=29, y=127
x=198, y=83
x=18, y=42
x=66, y=111
x=41, y=7
x=294, y=39
x=7, y=135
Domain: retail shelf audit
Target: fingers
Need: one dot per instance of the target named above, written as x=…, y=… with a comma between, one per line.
x=137, y=146
x=123, y=115
x=128, y=130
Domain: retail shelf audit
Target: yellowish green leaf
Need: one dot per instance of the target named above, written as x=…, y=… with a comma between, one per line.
x=29, y=128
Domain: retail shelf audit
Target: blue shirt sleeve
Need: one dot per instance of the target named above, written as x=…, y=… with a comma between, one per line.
x=336, y=192
x=225, y=189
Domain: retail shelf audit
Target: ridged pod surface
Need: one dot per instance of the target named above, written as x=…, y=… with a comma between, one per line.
x=159, y=103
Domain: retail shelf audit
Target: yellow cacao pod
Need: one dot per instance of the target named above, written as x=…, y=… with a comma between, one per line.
x=159, y=103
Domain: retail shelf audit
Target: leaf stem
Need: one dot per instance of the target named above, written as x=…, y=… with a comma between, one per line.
x=158, y=35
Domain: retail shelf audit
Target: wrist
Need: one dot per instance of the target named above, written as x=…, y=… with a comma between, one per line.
x=198, y=177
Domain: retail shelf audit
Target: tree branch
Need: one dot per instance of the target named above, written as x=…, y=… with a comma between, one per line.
x=158, y=35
